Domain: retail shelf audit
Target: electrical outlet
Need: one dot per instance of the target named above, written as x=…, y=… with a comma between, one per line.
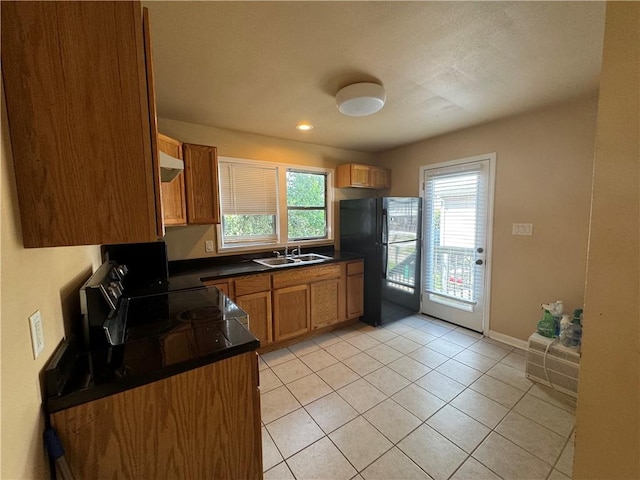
x=208, y=246
x=37, y=334
x=522, y=229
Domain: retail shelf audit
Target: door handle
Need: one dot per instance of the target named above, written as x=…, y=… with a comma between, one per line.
x=479, y=262
x=480, y=250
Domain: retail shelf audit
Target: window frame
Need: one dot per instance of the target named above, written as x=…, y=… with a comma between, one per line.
x=324, y=208
x=282, y=234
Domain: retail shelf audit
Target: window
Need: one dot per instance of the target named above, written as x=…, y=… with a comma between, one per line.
x=306, y=205
x=268, y=204
x=248, y=204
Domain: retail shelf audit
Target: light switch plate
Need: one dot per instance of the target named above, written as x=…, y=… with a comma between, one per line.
x=37, y=334
x=208, y=246
x=522, y=229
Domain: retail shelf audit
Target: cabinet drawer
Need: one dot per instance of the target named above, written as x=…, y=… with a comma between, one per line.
x=354, y=268
x=251, y=284
x=301, y=276
x=222, y=285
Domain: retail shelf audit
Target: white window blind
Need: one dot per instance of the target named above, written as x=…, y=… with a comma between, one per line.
x=248, y=189
x=455, y=211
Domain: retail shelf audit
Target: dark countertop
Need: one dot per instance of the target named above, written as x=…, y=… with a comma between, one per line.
x=218, y=268
x=180, y=344
x=180, y=347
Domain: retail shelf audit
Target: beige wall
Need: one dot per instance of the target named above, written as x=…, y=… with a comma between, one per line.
x=543, y=176
x=44, y=279
x=188, y=242
x=608, y=415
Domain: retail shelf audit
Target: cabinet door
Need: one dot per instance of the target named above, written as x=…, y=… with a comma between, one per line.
x=77, y=96
x=201, y=182
x=355, y=296
x=380, y=177
x=258, y=307
x=291, y=311
x=325, y=303
x=355, y=289
x=161, y=429
x=174, y=204
x=360, y=175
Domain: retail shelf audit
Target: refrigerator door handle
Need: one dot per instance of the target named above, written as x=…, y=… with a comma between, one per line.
x=385, y=259
x=385, y=227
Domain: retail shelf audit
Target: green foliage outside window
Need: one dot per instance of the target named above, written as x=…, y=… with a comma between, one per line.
x=249, y=225
x=306, y=202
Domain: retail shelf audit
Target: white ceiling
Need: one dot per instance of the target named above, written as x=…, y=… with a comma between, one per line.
x=262, y=67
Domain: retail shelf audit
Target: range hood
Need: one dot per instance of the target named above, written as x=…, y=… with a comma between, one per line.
x=170, y=167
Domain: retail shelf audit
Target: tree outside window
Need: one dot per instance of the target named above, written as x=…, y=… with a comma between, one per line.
x=306, y=205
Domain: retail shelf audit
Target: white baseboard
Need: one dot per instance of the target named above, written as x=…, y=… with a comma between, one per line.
x=514, y=342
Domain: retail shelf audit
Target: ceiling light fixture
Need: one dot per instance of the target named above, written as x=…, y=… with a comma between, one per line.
x=359, y=99
x=304, y=126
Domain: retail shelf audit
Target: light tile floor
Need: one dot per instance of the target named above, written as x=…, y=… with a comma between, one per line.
x=416, y=399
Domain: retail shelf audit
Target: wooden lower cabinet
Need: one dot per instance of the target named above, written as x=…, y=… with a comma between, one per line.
x=285, y=304
x=291, y=311
x=252, y=293
x=258, y=307
x=223, y=286
x=204, y=423
x=325, y=303
x=355, y=289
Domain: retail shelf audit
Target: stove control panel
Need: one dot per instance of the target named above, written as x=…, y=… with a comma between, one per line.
x=108, y=281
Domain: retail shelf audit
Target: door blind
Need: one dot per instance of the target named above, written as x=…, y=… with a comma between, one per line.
x=455, y=211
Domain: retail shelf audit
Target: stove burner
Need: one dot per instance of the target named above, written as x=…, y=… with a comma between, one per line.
x=201, y=314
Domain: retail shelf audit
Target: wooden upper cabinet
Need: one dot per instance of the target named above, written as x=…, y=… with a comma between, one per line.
x=174, y=203
x=362, y=176
x=380, y=178
x=79, y=95
x=201, y=182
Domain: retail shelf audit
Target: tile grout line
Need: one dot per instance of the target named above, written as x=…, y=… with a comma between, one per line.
x=389, y=397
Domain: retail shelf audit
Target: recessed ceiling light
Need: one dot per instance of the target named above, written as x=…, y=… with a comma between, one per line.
x=304, y=126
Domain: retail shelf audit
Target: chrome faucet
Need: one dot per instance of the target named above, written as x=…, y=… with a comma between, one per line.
x=296, y=251
x=285, y=255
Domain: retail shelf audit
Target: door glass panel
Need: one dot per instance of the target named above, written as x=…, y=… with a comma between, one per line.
x=452, y=210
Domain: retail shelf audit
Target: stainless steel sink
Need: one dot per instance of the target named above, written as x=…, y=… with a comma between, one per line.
x=311, y=257
x=275, y=262
x=304, y=259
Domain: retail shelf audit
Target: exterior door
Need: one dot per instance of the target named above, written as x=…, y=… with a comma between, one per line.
x=457, y=211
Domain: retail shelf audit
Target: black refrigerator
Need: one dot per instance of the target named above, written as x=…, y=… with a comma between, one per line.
x=387, y=232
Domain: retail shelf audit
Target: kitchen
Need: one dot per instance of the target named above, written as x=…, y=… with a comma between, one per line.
x=50, y=288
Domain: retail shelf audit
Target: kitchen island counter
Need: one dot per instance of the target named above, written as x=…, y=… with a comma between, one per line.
x=158, y=346
x=184, y=402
